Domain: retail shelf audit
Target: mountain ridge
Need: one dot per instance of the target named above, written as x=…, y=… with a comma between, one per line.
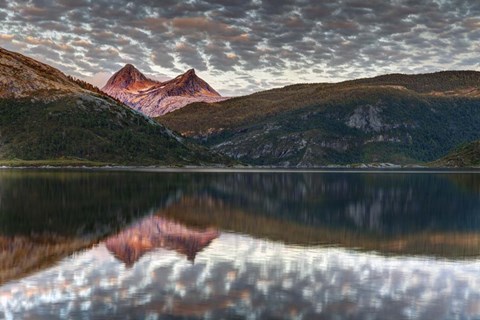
x=127, y=76
x=396, y=118
x=21, y=75
x=45, y=116
x=155, y=98
x=401, y=119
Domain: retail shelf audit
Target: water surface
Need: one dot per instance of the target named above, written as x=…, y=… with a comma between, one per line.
x=253, y=245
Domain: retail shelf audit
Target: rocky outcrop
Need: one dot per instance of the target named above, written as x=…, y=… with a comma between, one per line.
x=154, y=98
x=366, y=118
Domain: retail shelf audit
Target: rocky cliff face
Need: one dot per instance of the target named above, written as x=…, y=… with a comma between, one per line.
x=154, y=98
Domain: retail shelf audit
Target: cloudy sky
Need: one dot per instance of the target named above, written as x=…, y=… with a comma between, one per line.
x=242, y=46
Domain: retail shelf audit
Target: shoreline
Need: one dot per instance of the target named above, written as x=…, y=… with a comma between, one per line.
x=209, y=169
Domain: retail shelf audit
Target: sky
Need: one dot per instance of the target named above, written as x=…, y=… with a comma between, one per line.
x=243, y=46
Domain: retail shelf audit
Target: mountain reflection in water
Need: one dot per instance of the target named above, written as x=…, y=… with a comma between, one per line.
x=157, y=232
x=243, y=277
x=239, y=245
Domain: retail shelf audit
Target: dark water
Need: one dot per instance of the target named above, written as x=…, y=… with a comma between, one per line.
x=159, y=245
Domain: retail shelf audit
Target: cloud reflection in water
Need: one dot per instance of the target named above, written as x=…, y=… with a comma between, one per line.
x=242, y=276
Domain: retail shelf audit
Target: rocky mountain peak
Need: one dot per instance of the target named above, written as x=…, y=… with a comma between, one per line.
x=154, y=98
x=125, y=77
x=190, y=84
x=188, y=76
x=190, y=73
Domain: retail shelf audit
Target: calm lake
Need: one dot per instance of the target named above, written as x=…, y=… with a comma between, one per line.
x=239, y=245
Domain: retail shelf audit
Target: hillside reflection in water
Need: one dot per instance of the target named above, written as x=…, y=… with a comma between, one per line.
x=223, y=245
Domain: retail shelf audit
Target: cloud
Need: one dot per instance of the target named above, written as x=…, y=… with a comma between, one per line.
x=190, y=56
x=272, y=41
x=7, y=37
x=162, y=59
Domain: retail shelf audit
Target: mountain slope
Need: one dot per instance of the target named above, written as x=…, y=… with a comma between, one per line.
x=21, y=76
x=467, y=155
x=154, y=98
x=45, y=115
x=444, y=83
x=395, y=118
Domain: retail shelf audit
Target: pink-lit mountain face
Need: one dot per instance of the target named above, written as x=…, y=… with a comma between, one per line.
x=155, y=98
